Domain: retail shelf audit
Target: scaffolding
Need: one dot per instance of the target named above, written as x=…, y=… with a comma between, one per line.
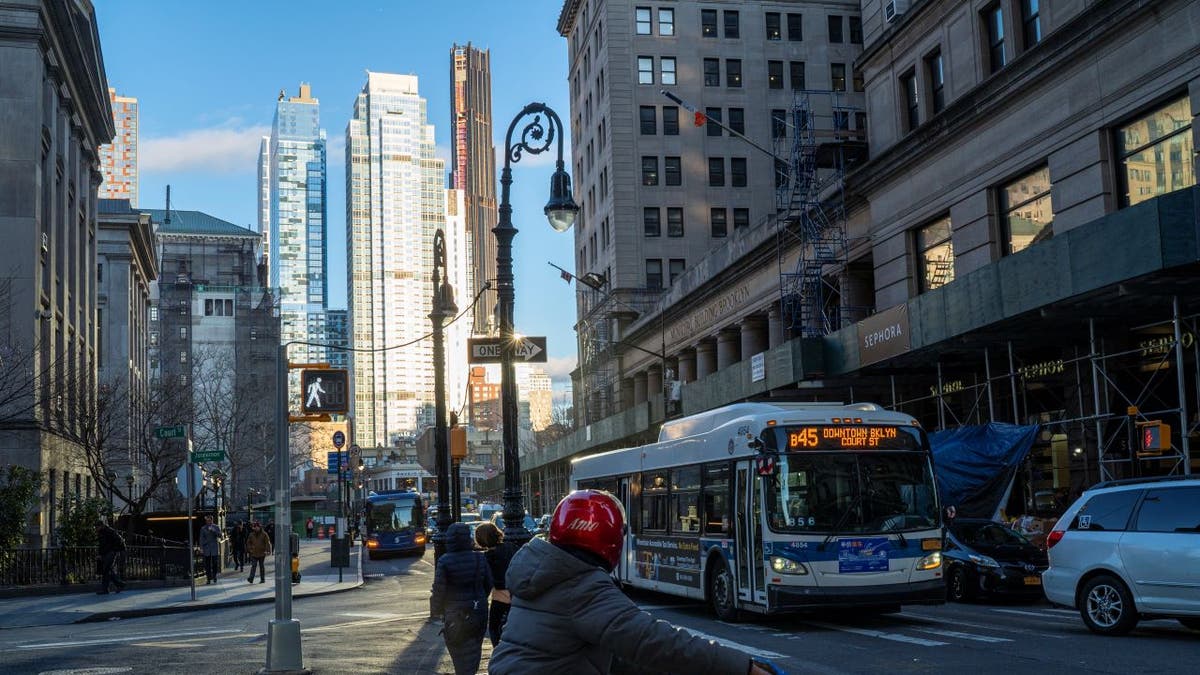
x=819, y=145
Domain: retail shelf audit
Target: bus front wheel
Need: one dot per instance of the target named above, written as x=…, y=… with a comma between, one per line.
x=722, y=594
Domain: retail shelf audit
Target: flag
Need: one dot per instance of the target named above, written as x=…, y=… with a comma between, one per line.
x=700, y=118
x=566, y=276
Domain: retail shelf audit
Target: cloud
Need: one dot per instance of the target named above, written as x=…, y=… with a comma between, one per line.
x=224, y=148
x=560, y=367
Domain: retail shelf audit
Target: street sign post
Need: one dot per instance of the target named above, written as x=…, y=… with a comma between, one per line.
x=176, y=431
x=208, y=456
x=339, y=439
x=487, y=350
x=324, y=391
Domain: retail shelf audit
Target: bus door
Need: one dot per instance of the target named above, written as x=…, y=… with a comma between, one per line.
x=751, y=575
x=622, y=569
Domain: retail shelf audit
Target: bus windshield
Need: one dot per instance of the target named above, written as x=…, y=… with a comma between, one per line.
x=392, y=516
x=851, y=492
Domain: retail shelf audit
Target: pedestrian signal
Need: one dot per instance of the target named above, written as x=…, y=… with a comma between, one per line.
x=324, y=391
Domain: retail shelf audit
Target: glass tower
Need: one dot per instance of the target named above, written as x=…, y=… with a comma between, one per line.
x=395, y=201
x=293, y=163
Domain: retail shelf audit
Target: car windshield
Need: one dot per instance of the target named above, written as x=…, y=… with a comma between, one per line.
x=851, y=493
x=468, y=518
x=987, y=534
x=394, y=516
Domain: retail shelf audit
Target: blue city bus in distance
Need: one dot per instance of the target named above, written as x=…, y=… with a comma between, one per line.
x=395, y=523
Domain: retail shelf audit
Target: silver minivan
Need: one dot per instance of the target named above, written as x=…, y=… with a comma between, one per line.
x=1128, y=550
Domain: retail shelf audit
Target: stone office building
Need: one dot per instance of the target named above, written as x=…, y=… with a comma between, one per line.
x=1028, y=226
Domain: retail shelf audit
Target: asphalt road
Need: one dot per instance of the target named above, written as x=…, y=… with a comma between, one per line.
x=381, y=628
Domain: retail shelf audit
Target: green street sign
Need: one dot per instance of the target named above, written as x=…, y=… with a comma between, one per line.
x=177, y=431
x=208, y=456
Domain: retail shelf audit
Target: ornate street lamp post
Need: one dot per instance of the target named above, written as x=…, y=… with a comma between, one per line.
x=443, y=308
x=561, y=211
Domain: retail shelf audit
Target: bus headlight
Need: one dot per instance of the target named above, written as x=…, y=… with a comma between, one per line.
x=930, y=562
x=781, y=565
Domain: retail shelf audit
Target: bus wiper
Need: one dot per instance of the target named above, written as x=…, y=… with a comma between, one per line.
x=842, y=521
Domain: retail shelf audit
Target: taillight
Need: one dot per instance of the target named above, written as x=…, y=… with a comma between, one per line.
x=1055, y=535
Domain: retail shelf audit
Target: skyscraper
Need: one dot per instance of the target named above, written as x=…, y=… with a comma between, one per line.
x=293, y=164
x=474, y=168
x=119, y=159
x=395, y=201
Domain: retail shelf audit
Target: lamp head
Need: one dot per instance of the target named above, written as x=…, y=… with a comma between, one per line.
x=561, y=210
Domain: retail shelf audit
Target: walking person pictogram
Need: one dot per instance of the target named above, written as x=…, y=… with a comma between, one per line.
x=314, y=394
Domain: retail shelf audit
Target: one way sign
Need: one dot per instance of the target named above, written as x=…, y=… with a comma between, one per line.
x=487, y=350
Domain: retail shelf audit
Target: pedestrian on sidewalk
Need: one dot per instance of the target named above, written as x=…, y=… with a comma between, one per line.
x=568, y=616
x=210, y=548
x=237, y=539
x=258, y=547
x=111, y=548
x=309, y=525
x=461, y=584
x=491, y=539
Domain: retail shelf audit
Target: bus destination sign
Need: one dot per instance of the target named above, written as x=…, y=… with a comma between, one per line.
x=850, y=437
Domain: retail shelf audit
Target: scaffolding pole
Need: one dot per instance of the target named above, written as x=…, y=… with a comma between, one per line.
x=940, y=401
x=987, y=372
x=1012, y=383
x=1183, y=421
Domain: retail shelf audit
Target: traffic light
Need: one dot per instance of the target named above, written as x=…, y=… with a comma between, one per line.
x=1155, y=437
x=458, y=443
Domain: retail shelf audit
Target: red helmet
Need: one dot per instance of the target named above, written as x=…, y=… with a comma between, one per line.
x=592, y=520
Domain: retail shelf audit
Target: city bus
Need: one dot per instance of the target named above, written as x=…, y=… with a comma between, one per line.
x=775, y=507
x=395, y=522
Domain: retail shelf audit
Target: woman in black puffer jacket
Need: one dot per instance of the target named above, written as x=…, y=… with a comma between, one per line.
x=462, y=581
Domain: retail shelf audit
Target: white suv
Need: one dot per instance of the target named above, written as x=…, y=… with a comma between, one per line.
x=1127, y=550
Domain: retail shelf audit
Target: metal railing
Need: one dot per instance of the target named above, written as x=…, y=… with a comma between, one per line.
x=78, y=565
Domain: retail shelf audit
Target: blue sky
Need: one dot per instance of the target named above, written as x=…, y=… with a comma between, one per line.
x=207, y=75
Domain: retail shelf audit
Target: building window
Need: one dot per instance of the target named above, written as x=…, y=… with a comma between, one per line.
x=935, y=251
x=666, y=22
x=993, y=19
x=1156, y=152
x=732, y=24
x=654, y=278
x=737, y=120
x=670, y=115
x=774, y=27
x=713, y=114
x=1031, y=24
x=737, y=171
x=666, y=69
x=712, y=72
x=708, y=23
x=672, y=171
x=741, y=219
x=835, y=29
x=775, y=74
x=649, y=170
x=651, y=222
x=642, y=20
x=937, y=81
x=645, y=70
x=856, y=30
x=718, y=221
x=733, y=72
x=1028, y=214
x=778, y=123
x=716, y=172
x=676, y=269
x=795, y=27
x=860, y=124
x=208, y=307
x=912, y=111
x=674, y=221
x=649, y=119
x=857, y=79
x=797, y=74
x=837, y=76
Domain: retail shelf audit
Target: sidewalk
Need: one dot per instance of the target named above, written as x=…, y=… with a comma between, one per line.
x=317, y=578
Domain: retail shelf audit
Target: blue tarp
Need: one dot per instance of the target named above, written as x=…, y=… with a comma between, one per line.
x=975, y=465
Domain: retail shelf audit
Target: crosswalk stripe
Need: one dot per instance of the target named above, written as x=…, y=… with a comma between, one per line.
x=753, y=651
x=964, y=636
x=894, y=637
x=982, y=626
x=1035, y=614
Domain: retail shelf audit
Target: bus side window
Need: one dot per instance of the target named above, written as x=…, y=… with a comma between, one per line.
x=715, y=498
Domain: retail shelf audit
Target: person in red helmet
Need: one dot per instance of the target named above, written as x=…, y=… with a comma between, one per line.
x=568, y=616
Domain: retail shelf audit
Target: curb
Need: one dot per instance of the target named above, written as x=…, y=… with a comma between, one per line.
x=180, y=609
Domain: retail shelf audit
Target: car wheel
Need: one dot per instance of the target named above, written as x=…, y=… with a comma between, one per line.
x=957, y=585
x=721, y=593
x=1193, y=624
x=1107, y=606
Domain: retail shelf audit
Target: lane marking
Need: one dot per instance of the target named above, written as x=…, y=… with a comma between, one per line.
x=753, y=651
x=87, y=671
x=964, y=636
x=1056, y=610
x=370, y=615
x=128, y=638
x=365, y=622
x=894, y=637
x=655, y=608
x=1036, y=614
x=983, y=626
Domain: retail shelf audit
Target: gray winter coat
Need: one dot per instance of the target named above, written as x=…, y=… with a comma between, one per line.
x=569, y=617
x=210, y=540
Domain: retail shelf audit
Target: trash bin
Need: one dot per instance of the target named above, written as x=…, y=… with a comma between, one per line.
x=295, y=546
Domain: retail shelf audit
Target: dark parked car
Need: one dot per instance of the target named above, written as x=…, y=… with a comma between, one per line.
x=984, y=557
